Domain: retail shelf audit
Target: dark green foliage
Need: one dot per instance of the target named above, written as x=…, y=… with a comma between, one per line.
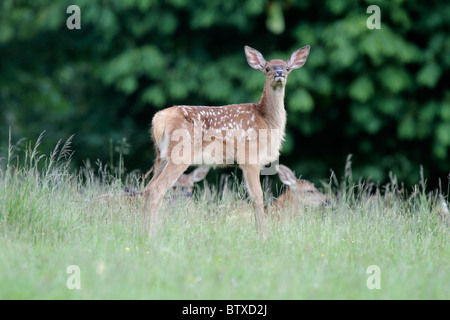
x=381, y=95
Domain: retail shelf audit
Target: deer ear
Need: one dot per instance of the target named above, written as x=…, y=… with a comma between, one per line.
x=199, y=174
x=298, y=58
x=254, y=58
x=287, y=176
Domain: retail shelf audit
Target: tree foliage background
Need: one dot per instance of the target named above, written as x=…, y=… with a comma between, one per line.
x=382, y=95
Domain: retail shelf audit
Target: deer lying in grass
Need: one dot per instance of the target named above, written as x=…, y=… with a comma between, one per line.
x=182, y=188
x=300, y=193
x=208, y=136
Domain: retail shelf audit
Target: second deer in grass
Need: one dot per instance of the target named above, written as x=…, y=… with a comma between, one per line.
x=300, y=194
x=184, y=186
x=194, y=135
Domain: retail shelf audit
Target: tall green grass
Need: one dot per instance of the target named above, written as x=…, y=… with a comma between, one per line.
x=52, y=217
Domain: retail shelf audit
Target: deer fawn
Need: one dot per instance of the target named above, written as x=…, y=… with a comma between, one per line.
x=208, y=136
x=184, y=186
x=301, y=193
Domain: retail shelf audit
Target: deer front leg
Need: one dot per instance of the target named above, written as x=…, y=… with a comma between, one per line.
x=251, y=176
x=156, y=189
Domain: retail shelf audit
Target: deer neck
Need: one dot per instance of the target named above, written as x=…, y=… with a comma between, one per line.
x=271, y=106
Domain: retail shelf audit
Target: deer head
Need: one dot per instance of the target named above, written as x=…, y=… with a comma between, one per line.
x=301, y=192
x=276, y=71
x=185, y=183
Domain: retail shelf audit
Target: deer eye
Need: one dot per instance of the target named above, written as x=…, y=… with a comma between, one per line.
x=287, y=68
x=267, y=69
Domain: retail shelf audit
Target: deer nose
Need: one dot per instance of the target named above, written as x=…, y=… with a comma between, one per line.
x=279, y=73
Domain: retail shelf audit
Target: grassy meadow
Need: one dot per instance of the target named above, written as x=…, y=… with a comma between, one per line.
x=52, y=218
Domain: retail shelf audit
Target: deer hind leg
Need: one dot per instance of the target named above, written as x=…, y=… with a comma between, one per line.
x=160, y=161
x=251, y=176
x=159, y=166
x=156, y=189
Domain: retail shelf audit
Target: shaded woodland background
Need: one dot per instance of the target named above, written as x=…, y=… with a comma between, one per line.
x=382, y=95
